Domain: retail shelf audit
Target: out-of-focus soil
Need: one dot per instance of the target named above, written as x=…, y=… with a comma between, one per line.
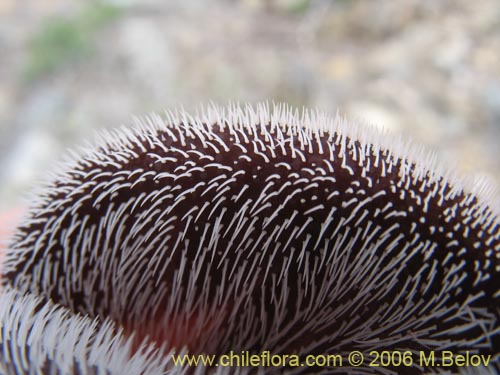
x=426, y=69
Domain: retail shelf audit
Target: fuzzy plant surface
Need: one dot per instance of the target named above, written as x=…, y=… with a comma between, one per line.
x=251, y=229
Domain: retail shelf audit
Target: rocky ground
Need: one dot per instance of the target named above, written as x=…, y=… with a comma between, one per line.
x=428, y=69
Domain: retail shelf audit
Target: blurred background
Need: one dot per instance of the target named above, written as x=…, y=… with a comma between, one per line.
x=426, y=69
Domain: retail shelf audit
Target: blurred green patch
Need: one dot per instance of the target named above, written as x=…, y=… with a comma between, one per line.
x=63, y=40
x=297, y=7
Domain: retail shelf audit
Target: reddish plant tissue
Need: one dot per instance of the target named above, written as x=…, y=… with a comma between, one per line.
x=255, y=229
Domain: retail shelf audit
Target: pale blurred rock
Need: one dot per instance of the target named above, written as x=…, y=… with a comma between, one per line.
x=6, y=103
x=340, y=67
x=375, y=116
x=7, y=7
x=23, y=167
x=148, y=54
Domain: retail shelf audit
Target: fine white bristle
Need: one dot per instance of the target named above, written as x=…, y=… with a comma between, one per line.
x=262, y=228
x=38, y=337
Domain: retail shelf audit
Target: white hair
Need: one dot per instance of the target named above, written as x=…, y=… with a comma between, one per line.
x=264, y=229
